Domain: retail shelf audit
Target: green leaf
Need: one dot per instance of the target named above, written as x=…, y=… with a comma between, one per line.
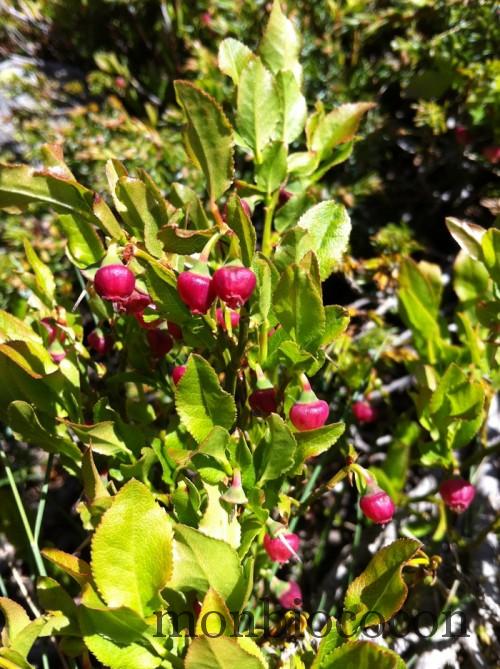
x=162, y=286
x=103, y=437
x=220, y=653
x=456, y=407
x=257, y=110
x=293, y=107
x=467, y=235
x=280, y=45
x=419, y=307
x=10, y=659
x=106, y=220
x=238, y=221
x=314, y=442
x=273, y=169
x=380, y=587
x=490, y=246
x=470, y=278
x=275, y=454
x=93, y=486
x=329, y=227
x=361, y=655
x=16, y=619
x=213, y=625
x=336, y=322
x=20, y=185
x=203, y=562
x=76, y=568
x=299, y=307
x=209, y=137
x=183, y=242
x=233, y=56
x=289, y=213
x=14, y=329
x=216, y=521
x=201, y=403
x=263, y=295
x=52, y=597
x=143, y=211
x=84, y=245
x=44, y=279
x=132, y=551
x=337, y=127
x=24, y=421
x=183, y=196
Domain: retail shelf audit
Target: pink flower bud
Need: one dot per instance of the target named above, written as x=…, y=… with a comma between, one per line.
x=278, y=550
x=291, y=598
x=377, y=505
x=364, y=412
x=196, y=290
x=114, y=282
x=234, y=285
x=457, y=494
x=177, y=373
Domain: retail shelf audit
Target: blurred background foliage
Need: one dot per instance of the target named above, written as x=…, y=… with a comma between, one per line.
x=97, y=75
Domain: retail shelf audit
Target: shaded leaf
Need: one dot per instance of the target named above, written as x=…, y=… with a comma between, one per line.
x=380, y=587
x=209, y=137
x=201, y=403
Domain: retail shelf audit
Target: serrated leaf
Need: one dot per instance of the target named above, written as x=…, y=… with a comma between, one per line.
x=280, y=45
x=233, y=56
x=209, y=136
x=238, y=221
x=143, y=211
x=220, y=624
x=361, y=655
x=24, y=421
x=201, y=402
x=93, y=486
x=380, y=587
x=328, y=226
x=275, y=455
x=106, y=220
x=216, y=522
x=16, y=619
x=299, y=308
x=273, y=169
x=161, y=285
x=44, y=279
x=76, y=568
x=467, y=235
x=183, y=196
x=314, y=442
x=183, y=242
x=336, y=322
x=337, y=127
x=132, y=551
x=490, y=246
x=14, y=329
x=20, y=185
x=470, y=278
x=102, y=436
x=263, y=295
x=293, y=107
x=257, y=110
x=84, y=245
x=220, y=653
x=202, y=562
x=289, y=214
